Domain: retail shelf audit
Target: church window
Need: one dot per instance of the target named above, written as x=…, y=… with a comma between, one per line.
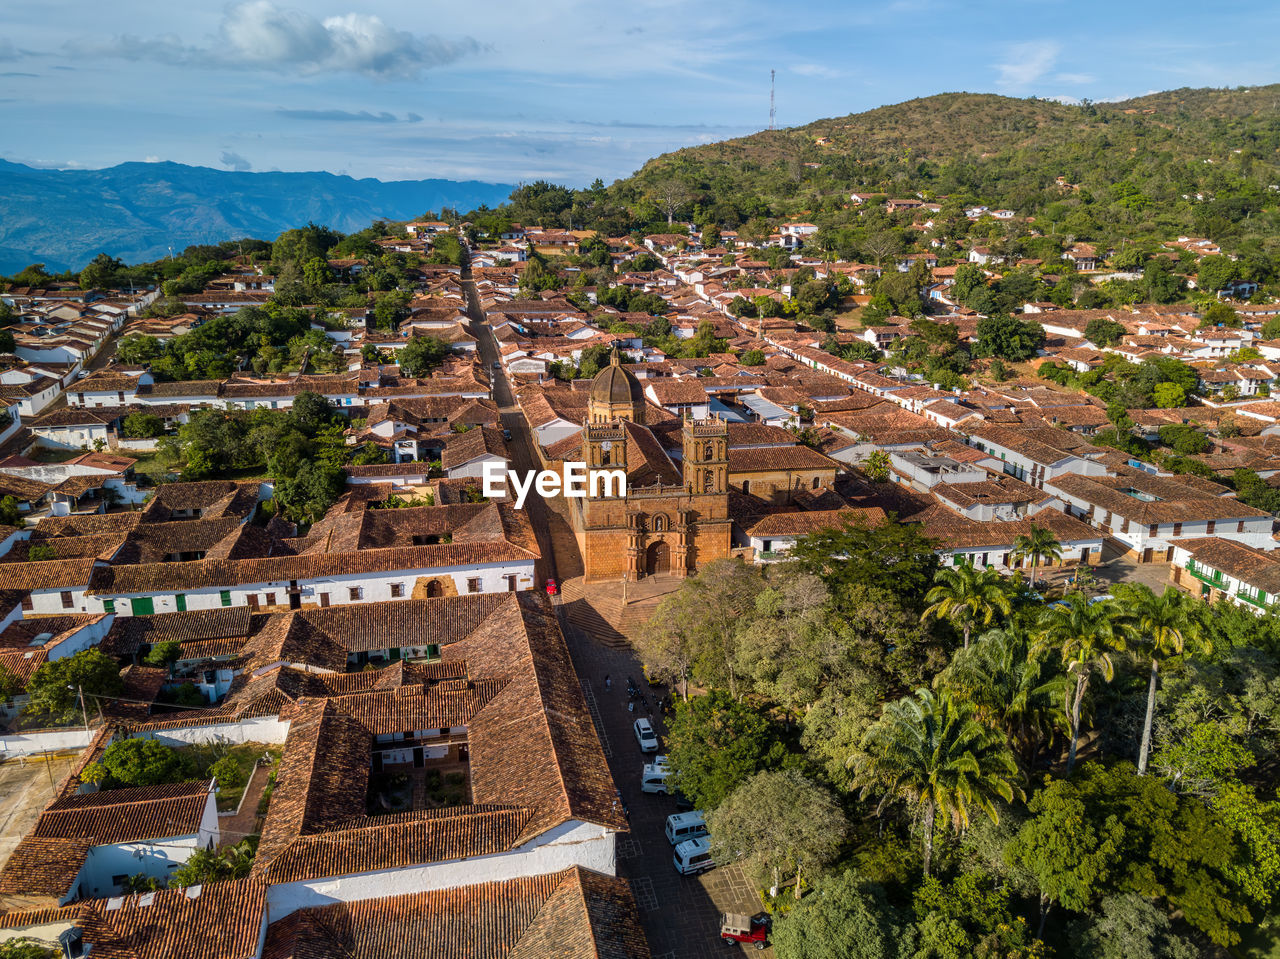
x=708, y=481
x=708, y=452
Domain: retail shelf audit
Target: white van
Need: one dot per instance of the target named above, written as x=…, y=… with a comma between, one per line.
x=653, y=778
x=693, y=856
x=685, y=825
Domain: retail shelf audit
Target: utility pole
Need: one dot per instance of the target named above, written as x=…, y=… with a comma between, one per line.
x=773, y=116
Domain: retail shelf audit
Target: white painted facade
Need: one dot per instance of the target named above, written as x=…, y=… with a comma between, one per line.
x=573, y=844
x=335, y=590
x=157, y=858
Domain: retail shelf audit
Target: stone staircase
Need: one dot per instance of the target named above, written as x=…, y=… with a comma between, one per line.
x=598, y=609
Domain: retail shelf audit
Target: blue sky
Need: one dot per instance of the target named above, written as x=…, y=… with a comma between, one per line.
x=567, y=90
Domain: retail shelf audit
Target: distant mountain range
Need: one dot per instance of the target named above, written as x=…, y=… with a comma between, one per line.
x=139, y=211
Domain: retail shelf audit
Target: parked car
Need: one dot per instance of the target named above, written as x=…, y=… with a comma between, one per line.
x=506, y=435
x=735, y=927
x=649, y=678
x=653, y=779
x=552, y=588
x=693, y=856
x=645, y=736
x=661, y=760
x=685, y=825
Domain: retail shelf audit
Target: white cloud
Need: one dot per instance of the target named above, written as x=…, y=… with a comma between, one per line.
x=1025, y=63
x=257, y=34
x=816, y=70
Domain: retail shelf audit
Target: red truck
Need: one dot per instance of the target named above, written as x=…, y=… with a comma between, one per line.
x=735, y=927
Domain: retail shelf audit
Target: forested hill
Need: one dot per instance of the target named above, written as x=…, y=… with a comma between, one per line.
x=1145, y=153
x=139, y=211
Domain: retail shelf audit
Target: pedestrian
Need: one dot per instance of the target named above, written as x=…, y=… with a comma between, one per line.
x=608, y=683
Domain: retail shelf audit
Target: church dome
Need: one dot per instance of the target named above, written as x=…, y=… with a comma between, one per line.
x=615, y=386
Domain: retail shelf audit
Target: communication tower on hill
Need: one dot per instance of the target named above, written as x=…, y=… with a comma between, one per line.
x=773, y=116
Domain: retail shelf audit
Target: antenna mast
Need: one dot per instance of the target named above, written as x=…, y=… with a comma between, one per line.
x=773, y=116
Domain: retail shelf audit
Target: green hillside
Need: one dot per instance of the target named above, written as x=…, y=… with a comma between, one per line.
x=1138, y=164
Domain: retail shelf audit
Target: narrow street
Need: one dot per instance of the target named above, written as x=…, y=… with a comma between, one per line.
x=681, y=915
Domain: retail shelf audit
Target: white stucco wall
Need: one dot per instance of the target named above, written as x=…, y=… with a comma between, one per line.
x=575, y=843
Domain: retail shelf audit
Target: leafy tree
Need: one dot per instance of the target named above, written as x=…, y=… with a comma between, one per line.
x=778, y=821
x=164, y=654
x=845, y=918
x=1168, y=396
x=968, y=278
x=40, y=552
x=752, y=358
x=693, y=631
x=1221, y=314
x=1086, y=634
x=228, y=772
x=714, y=744
x=1128, y=926
x=1109, y=830
x=142, y=424
x=1101, y=331
x=929, y=752
x=422, y=354
x=144, y=762
x=892, y=556
x=137, y=350
x=307, y=496
x=969, y=916
x=11, y=512
x=1037, y=545
x=54, y=687
x=965, y=596
x=1216, y=273
x=1009, y=337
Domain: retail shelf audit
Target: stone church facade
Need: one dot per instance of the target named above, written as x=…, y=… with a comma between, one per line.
x=673, y=519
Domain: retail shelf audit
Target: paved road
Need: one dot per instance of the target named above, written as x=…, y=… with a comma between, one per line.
x=681, y=915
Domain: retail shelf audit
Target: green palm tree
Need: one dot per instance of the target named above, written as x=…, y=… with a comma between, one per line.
x=1163, y=625
x=1038, y=545
x=929, y=751
x=1086, y=634
x=1012, y=686
x=965, y=596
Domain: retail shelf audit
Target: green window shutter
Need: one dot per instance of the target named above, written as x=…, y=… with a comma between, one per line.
x=142, y=605
x=226, y=597
x=181, y=601
x=433, y=651
x=108, y=605
x=395, y=652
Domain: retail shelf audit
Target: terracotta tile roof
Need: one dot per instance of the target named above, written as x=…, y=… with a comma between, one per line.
x=47, y=574
x=801, y=524
x=128, y=633
x=535, y=759
x=574, y=914
x=44, y=866
x=1249, y=565
x=158, y=577
x=222, y=920
x=778, y=458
